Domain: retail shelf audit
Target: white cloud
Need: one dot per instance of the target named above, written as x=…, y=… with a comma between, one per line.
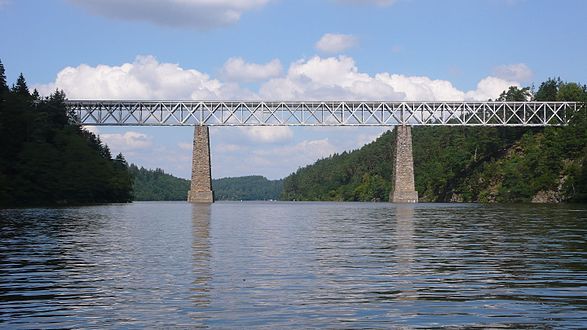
x=172, y=160
x=518, y=72
x=200, y=14
x=236, y=69
x=368, y=2
x=268, y=134
x=145, y=78
x=421, y=88
x=489, y=88
x=335, y=78
x=316, y=78
x=127, y=141
x=302, y=153
x=335, y=43
x=328, y=78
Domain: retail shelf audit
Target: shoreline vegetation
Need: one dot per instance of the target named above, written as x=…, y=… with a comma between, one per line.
x=46, y=159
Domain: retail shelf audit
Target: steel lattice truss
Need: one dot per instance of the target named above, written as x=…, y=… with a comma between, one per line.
x=315, y=113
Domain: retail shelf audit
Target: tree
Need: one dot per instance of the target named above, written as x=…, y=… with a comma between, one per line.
x=548, y=90
x=122, y=180
x=571, y=92
x=21, y=87
x=3, y=84
x=3, y=90
x=56, y=109
x=46, y=159
x=36, y=96
x=515, y=94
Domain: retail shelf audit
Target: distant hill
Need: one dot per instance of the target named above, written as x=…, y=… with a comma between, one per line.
x=247, y=188
x=156, y=185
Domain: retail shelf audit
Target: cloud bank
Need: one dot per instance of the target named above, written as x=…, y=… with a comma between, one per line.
x=201, y=14
x=339, y=78
x=144, y=78
x=315, y=78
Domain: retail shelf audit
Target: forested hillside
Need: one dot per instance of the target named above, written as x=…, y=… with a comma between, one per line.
x=46, y=159
x=156, y=185
x=360, y=175
x=465, y=164
x=247, y=188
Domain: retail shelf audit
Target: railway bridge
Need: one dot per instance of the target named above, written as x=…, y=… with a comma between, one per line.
x=402, y=115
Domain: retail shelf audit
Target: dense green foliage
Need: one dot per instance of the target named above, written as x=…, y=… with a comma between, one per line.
x=46, y=159
x=247, y=188
x=360, y=175
x=545, y=165
x=156, y=185
x=487, y=164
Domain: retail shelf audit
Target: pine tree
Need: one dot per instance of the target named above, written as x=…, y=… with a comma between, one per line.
x=3, y=85
x=548, y=90
x=21, y=87
x=121, y=161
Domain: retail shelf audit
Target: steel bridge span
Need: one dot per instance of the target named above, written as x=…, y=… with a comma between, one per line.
x=320, y=113
x=203, y=114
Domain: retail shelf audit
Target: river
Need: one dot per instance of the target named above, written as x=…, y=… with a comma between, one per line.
x=294, y=265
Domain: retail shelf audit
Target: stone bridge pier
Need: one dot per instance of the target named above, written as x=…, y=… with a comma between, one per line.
x=201, y=186
x=403, y=187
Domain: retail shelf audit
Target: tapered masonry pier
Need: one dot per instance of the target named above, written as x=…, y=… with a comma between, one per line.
x=201, y=186
x=403, y=186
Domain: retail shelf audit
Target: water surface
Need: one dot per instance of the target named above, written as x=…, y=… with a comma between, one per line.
x=279, y=265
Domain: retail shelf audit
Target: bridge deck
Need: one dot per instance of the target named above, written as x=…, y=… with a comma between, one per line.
x=320, y=113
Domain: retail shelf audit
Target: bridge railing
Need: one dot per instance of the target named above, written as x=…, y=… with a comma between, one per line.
x=316, y=113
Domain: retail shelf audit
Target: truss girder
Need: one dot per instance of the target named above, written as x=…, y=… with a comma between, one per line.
x=316, y=113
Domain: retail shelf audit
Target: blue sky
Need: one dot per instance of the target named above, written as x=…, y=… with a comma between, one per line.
x=284, y=49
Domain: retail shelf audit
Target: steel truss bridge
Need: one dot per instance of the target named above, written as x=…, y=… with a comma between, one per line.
x=320, y=113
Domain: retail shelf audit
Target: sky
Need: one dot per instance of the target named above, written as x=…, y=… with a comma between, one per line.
x=394, y=50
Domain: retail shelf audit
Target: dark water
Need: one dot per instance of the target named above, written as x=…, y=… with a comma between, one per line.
x=278, y=265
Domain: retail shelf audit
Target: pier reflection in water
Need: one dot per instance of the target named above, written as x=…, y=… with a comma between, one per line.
x=201, y=214
x=405, y=251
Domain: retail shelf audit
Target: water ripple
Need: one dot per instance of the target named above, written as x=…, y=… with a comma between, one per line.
x=300, y=265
